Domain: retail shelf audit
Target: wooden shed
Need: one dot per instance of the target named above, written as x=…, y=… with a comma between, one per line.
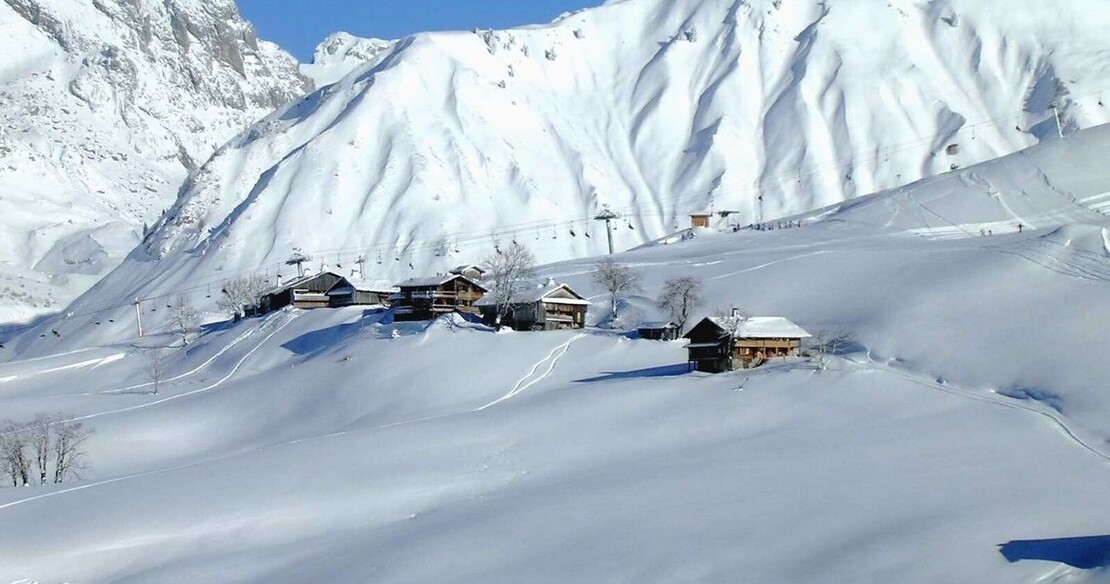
x=657, y=331
x=715, y=348
x=544, y=306
x=700, y=219
x=427, y=298
x=308, y=291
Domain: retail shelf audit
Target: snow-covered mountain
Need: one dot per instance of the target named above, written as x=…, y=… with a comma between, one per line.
x=105, y=107
x=961, y=436
x=341, y=53
x=449, y=144
x=452, y=143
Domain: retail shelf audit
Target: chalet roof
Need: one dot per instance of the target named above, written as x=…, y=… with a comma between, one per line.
x=656, y=324
x=371, y=285
x=435, y=281
x=765, y=327
x=535, y=292
x=299, y=281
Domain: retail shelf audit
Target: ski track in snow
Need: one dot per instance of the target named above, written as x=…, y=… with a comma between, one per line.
x=528, y=380
x=989, y=398
x=234, y=342
x=91, y=363
x=209, y=387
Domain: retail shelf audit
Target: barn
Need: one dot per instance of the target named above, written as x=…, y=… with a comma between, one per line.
x=308, y=291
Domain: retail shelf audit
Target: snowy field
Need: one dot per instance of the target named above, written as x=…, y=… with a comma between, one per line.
x=963, y=438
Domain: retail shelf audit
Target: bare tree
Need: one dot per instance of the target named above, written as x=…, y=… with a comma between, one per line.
x=680, y=297
x=69, y=453
x=509, y=272
x=157, y=370
x=182, y=316
x=40, y=440
x=731, y=318
x=616, y=279
x=830, y=344
x=14, y=453
x=237, y=294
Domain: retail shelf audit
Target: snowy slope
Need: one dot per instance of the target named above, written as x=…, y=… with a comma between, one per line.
x=454, y=142
x=1054, y=185
x=963, y=439
x=106, y=107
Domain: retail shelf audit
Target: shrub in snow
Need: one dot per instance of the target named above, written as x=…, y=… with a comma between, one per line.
x=691, y=35
x=578, y=34
x=550, y=54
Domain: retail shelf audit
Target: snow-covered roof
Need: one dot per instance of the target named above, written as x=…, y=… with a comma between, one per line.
x=434, y=281
x=293, y=283
x=536, y=292
x=765, y=327
x=372, y=285
x=657, y=324
x=427, y=281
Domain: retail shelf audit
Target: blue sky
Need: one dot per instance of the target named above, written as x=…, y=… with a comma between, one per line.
x=298, y=26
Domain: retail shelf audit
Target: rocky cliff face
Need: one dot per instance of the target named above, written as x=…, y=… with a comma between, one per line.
x=107, y=106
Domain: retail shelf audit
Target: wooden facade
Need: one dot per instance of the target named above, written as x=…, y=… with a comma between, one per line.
x=427, y=298
x=715, y=349
x=310, y=291
x=361, y=294
x=700, y=219
x=546, y=307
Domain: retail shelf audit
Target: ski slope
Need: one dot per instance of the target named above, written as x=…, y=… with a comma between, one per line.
x=963, y=439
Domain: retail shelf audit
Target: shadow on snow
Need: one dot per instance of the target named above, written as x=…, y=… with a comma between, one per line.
x=664, y=371
x=1079, y=552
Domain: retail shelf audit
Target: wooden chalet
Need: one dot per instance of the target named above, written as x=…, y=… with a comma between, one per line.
x=308, y=291
x=714, y=348
x=546, y=306
x=427, y=298
x=657, y=331
x=362, y=293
